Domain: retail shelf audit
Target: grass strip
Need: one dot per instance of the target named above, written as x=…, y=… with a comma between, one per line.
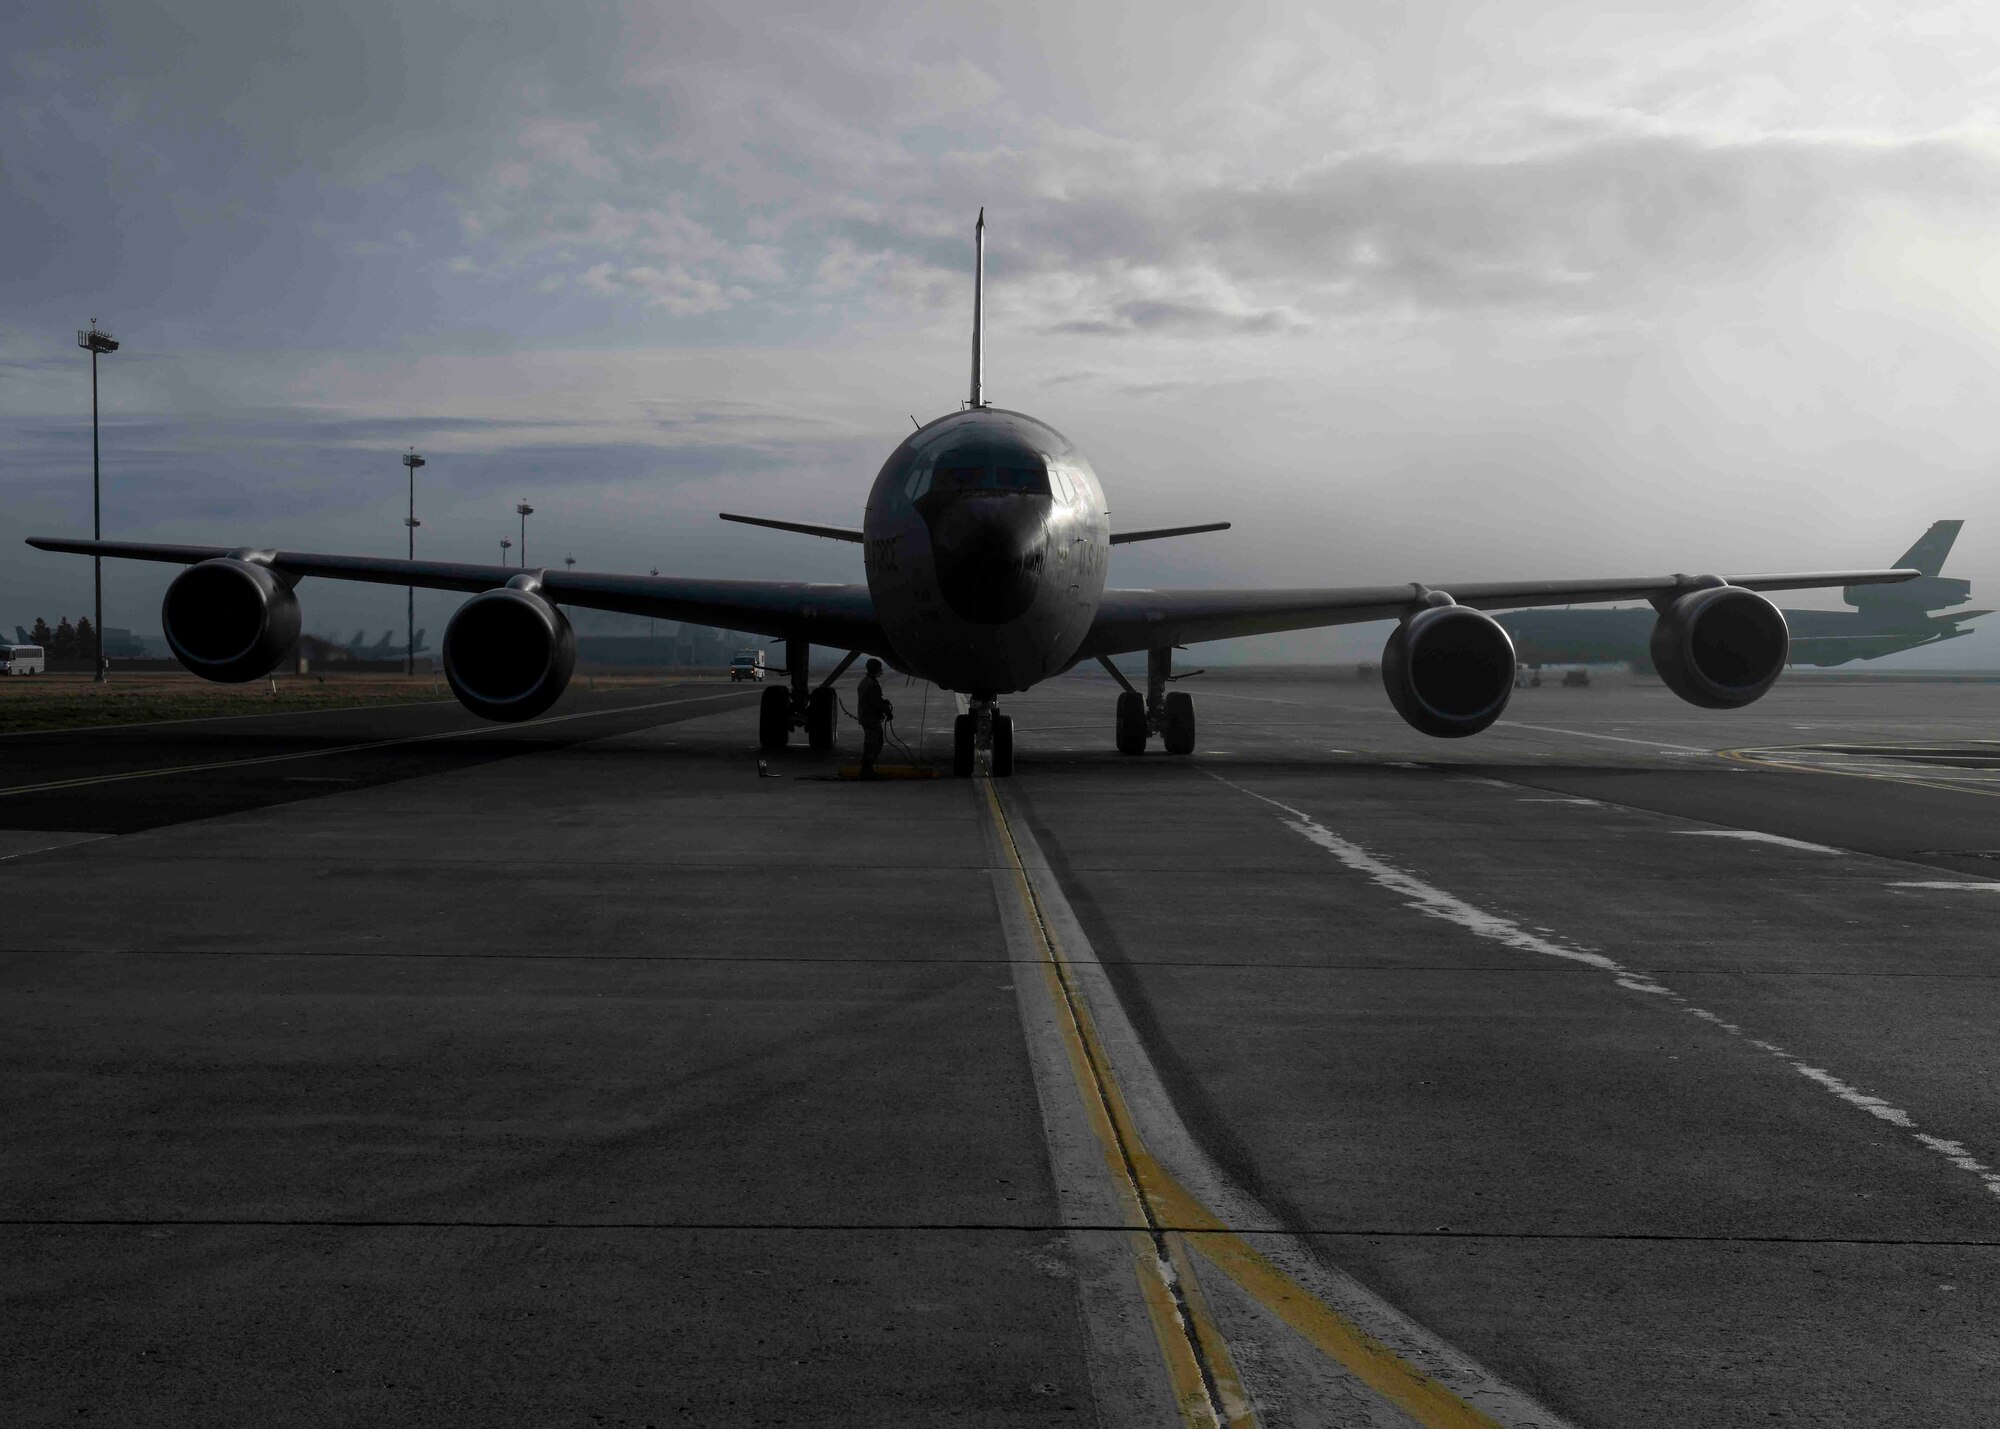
x=54, y=707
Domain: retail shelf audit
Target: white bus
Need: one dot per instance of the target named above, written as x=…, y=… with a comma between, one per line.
x=23, y=660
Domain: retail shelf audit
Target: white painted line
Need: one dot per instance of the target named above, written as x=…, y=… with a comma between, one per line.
x=26, y=841
x=1434, y=902
x=1941, y=883
x=1759, y=837
x=1213, y=694
x=1659, y=744
x=1285, y=1360
x=1592, y=803
x=489, y=728
x=211, y=719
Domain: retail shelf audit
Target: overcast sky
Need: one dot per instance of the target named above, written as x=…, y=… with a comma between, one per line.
x=1427, y=291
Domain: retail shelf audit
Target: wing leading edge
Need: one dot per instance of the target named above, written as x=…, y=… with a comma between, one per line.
x=844, y=615
x=1156, y=619
x=833, y=615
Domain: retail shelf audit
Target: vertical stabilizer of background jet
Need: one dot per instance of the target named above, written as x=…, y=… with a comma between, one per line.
x=1930, y=591
x=1931, y=548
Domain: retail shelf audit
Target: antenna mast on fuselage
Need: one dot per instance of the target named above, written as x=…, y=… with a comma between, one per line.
x=978, y=316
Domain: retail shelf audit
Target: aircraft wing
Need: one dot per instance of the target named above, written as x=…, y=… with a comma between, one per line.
x=842, y=616
x=1155, y=619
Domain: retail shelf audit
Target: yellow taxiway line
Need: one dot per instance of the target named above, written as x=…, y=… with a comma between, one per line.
x=1167, y=1220
x=1200, y=1372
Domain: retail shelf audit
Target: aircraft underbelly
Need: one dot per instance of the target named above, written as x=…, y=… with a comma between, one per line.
x=935, y=642
x=957, y=654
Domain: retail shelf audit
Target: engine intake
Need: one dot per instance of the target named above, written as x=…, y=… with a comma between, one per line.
x=1449, y=670
x=509, y=654
x=1721, y=647
x=230, y=620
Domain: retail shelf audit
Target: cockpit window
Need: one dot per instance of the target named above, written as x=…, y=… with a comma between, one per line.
x=1010, y=473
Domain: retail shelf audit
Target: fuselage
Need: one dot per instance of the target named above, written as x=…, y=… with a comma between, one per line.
x=986, y=543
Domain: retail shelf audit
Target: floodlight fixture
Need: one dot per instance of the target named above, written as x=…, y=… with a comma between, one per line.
x=412, y=461
x=505, y=546
x=96, y=342
x=526, y=511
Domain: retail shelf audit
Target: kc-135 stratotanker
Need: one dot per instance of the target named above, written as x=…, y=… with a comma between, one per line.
x=986, y=541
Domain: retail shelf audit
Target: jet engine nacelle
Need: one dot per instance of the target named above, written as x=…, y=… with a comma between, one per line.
x=1449, y=669
x=509, y=653
x=229, y=619
x=1720, y=647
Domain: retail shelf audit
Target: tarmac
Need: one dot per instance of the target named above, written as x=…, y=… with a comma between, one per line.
x=1628, y=1064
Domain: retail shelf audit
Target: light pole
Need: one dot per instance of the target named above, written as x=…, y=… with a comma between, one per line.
x=95, y=342
x=526, y=511
x=569, y=563
x=505, y=546
x=652, y=622
x=412, y=461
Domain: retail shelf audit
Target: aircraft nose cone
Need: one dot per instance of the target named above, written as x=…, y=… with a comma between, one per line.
x=988, y=552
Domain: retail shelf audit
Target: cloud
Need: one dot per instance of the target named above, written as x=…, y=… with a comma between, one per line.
x=568, y=143
x=1594, y=262
x=796, y=169
x=1185, y=319
x=673, y=288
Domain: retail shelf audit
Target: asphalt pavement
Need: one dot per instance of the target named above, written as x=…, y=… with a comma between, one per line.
x=1628, y=1064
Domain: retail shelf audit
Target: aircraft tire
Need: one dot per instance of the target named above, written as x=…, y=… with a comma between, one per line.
x=1131, y=724
x=1003, y=746
x=774, y=718
x=963, y=731
x=1179, y=733
x=822, y=718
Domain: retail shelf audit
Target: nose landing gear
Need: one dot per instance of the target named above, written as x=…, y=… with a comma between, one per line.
x=983, y=727
x=1140, y=717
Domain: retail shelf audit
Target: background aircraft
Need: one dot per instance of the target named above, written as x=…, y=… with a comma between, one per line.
x=1885, y=619
x=387, y=648
x=986, y=540
x=323, y=650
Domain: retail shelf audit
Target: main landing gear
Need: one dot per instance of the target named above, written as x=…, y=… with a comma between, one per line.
x=982, y=727
x=799, y=705
x=1140, y=717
